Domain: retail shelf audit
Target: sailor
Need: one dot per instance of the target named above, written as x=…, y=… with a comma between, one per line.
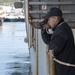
x=61, y=41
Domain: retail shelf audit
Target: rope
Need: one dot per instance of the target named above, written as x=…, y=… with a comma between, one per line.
x=62, y=63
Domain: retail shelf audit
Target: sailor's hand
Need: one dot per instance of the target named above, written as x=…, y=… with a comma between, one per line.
x=46, y=26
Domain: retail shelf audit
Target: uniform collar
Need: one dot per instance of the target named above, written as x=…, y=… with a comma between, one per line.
x=62, y=20
x=60, y=23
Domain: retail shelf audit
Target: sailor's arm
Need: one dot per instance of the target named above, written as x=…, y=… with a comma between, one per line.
x=45, y=36
x=57, y=44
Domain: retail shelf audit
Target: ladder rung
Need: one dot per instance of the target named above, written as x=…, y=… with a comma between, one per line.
x=51, y=3
x=41, y=11
x=38, y=20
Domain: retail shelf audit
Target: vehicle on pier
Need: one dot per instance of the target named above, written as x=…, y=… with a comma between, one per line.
x=13, y=17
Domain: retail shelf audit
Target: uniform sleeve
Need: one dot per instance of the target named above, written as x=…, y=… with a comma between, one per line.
x=57, y=44
x=45, y=36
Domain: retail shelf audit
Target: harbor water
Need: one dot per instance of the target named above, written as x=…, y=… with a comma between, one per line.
x=14, y=54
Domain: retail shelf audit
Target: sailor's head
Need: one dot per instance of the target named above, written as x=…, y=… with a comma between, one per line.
x=53, y=16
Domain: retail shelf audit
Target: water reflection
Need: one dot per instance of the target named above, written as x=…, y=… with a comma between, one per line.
x=16, y=73
x=14, y=54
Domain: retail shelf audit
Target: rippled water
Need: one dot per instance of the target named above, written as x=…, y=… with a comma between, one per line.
x=14, y=54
